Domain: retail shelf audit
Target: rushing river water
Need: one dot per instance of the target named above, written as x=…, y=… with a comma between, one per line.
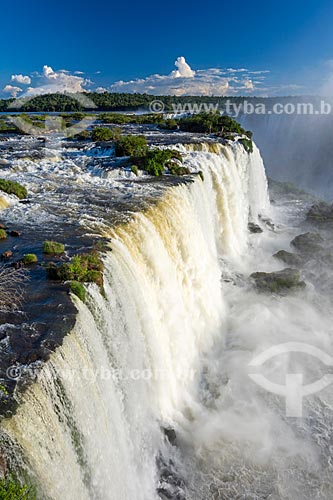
x=149, y=395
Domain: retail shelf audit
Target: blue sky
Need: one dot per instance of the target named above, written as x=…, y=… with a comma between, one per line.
x=286, y=47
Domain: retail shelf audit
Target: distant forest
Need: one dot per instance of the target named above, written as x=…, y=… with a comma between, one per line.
x=131, y=102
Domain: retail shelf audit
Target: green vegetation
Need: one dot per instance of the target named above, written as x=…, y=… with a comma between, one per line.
x=42, y=103
x=112, y=102
x=3, y=234
x=9, y=128
x=83, y=268
x=131, y=145
x=84, y=135
x=170, y=124
x=135, y=169
x=211, y=123
x=175, y=169
x=12, y=187
x=120, y=119
x=157, y=160
x=30, y=258
x=104, y=134
x=78, y=290
x=11, y=489
x=248, y=145
x=53, y=247
x=4, y=391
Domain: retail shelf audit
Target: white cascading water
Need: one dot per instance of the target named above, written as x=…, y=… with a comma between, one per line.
x=90, y=427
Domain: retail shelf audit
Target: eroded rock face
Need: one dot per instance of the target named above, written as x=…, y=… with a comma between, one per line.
x=322, y=212
x=254, y=228
x=308, y=243
x=289, y=258
x=280, y=282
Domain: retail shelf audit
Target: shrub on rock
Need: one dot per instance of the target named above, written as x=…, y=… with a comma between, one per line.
x=131, y=145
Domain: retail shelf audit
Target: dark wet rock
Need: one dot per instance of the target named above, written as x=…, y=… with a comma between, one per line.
x=280, y=282
x=25, y=202
x=254, y=228
x=53, y=271
x=321, y=212
x=289, y=258
x=8, y=254
x=17, y=265
x=15, y=234
x=308, y=243
x=171, y=485
x=171, y=435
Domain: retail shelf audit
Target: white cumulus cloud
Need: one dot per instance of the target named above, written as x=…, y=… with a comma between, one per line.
x=186, y=81
x=49, y=82
x=183, y=71
x=25, y=80
x=12, y=90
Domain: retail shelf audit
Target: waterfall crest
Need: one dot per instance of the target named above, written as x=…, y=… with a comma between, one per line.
x=90, y=427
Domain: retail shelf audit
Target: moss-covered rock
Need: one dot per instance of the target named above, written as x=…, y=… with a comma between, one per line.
x=30, y=258
x=12, y=187
x=3, y=234
x=289, y=258
x=53, y=247
x=308, y=243
x=280, y=282
x=78, y=289
x=254, y=228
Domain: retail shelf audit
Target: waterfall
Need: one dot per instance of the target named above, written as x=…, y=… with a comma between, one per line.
x=89, y=428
